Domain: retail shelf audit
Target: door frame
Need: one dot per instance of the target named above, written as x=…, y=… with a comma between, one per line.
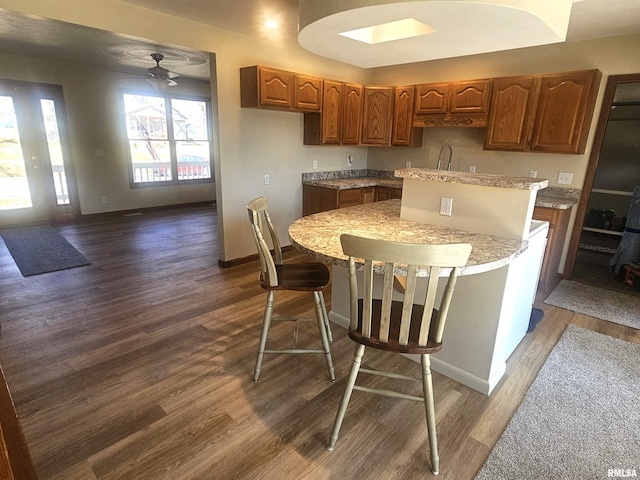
x=583, y=204
x=34, y=92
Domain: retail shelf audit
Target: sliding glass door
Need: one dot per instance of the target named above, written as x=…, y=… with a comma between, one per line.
x=36, y=175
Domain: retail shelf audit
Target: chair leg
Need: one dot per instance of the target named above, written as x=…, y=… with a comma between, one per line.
x=326, y=318
x=317, y=299
x=266, y=323
x=427, y=386
x=351, y=381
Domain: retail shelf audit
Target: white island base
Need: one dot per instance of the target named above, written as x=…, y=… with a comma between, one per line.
x=488, y=317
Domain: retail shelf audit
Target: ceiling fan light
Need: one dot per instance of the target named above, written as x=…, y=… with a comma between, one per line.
x=158, y=84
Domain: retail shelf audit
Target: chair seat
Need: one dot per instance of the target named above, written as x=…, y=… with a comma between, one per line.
x=393, y=344
x=306, y=276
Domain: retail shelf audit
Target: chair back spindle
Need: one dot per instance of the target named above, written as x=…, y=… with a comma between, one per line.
x=395, y=257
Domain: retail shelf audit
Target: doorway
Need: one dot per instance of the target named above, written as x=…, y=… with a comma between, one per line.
x=612, y=175
x=37, y=180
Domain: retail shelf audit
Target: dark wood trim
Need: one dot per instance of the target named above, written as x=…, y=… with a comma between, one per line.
x=13, y=446
x=607, y=102
x=242, y=260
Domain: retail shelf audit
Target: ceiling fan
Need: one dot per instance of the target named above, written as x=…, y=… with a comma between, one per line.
x=160, y=78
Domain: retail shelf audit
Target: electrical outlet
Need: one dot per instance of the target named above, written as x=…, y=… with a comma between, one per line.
x=350, y=160
x=533, y=173
x=446, y=206
x=105, y=199
x=472, y=169
x=565, y=178
x=315, y=164
x=266, y=179
x=408, y=164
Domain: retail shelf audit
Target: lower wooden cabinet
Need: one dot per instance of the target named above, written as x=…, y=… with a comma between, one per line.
x=320, y=199
x=558, y=223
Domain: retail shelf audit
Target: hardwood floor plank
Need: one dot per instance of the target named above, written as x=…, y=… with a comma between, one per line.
x=139, y=367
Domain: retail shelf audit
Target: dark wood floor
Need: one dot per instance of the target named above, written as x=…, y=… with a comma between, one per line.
x=139, y=366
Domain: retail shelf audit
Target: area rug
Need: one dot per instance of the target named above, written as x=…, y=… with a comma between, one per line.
x=580, y=417
x=609, y=305
x=40, y=249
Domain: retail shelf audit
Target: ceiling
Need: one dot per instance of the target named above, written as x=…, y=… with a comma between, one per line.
x=40, y=37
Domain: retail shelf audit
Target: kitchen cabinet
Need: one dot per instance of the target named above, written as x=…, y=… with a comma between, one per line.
x=307, y=93
x=462, y=104
x=387, y=193
x=264, y=87
x=317, y=199
x=511, y=114
x=548, y=113
x=558, y=223
x=565, y=108
x=340, y=119
x=352, y=114
x=377, y=115
x=404, y=133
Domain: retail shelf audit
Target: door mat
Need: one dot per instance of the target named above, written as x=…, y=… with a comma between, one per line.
x=40, y=249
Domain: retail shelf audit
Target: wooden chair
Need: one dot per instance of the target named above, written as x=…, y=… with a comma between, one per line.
x=276, y=275
x=399, y=325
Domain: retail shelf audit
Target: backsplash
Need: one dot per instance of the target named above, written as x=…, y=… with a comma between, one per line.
x=332, y=175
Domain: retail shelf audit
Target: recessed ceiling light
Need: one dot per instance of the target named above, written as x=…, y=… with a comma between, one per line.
x=387, y=32
x=271, y=24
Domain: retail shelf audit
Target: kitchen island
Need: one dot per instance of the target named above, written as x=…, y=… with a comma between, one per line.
x=494, y=295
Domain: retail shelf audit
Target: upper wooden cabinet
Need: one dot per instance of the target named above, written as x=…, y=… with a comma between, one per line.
x=462, y=104
x=432, y=99
x=377, y=115
x=404, y=133
x=262, y=87
x=340, y=119
x=565, y=108
x=470, y=97
x=512, y=112
x=549, y=113
x=352, y=114
x=307, y=93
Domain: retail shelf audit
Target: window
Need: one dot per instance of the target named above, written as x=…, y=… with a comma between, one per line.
x=168, y=139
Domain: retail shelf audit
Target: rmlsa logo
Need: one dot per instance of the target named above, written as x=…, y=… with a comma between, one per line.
x=622, y=472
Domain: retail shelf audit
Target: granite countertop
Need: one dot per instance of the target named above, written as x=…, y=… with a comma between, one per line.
x=558, y=197
x=345, y=179
x=551, y=197
x=482, y=179
x=319, y=235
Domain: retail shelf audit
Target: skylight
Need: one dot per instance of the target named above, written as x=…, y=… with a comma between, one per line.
x=388, y=32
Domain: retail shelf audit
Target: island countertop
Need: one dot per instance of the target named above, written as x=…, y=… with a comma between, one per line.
x=319, y=235
x=479, y=179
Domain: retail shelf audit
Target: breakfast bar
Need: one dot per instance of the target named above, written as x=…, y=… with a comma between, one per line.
x=495, y=291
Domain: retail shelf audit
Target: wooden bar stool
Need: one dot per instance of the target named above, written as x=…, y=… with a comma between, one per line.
x=394, y=325
x=275, y=275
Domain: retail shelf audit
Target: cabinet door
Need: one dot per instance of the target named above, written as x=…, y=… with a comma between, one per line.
x=308, y=93
x=377, y=116
x=558, y=223
x=469, y=97
x=564, y=111
x=351, y=114
x=403, y=131
x=432, y=98
x=511, y=113
x=349, y=197
x=276, y=88
x=332, y=112
x=367, y=194
x=383, y=193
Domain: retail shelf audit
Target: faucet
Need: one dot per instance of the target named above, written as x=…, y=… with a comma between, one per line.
x=445, y=146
